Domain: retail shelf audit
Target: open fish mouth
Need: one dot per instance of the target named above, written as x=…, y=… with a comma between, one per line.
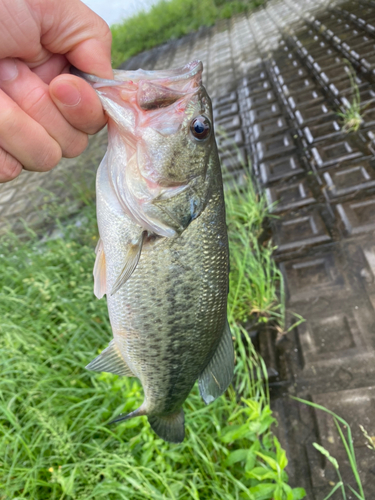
x=154, y=89
x=186, y=72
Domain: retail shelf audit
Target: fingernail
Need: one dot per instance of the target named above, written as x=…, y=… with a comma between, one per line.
x=67, y=93
x=8, y=70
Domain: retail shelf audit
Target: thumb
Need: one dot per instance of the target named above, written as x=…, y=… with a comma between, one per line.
x=69, y=27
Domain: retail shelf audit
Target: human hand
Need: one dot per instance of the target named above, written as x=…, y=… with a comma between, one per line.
x=46, y=113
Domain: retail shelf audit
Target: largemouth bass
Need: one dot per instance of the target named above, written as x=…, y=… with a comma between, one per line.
x=162, y=257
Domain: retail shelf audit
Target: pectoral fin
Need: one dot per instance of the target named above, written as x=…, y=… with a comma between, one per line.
x=218, y=374
x=131, y=262
x=99, y=272
x=110, y=360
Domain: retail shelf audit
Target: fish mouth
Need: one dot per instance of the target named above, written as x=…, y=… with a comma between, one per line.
x=152, y=89
x=187, y=72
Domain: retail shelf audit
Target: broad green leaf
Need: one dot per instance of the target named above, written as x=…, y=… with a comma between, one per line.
x=250, y=460
x=267, y=441
x=266, y=424
x=288, y=491
x=280, y=454
x=245, y=494
x=233, y=432
x=236, y=456
x=263, y=491
x=251, y=457
x=261, y=473
x=255, y=427
x=270, y=461
x=255, y=446
x=298, y=493
x=278, y=493
x=254, y=408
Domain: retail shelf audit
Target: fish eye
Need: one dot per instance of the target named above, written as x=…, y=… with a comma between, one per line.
x=200, y=127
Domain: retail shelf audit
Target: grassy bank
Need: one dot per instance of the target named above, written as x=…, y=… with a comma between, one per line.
x=170, y=19
x=54, y=441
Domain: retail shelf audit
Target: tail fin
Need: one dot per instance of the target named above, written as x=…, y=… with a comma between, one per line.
x=169, y=427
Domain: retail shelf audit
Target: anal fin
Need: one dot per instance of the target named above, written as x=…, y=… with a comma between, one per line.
x=136, y=413
x=110, y=360
x=131, y=262
x=99, y=272
x=218, y=374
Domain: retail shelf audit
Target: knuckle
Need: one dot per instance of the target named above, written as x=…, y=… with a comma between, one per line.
x=10, y=168
x=8, y=119
x=77, y=146
x=49, y=157
x=108, y=35
x=33, y=102
x=94, y=129
x=106, y=31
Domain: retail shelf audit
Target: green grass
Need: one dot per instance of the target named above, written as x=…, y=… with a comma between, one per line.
x=254, y=278
x=256, y=285
x=54, y=441
x=169, y=20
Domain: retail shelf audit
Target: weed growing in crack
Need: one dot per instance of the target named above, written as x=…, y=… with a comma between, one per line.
x=341, y=426
x=254, y=276
x=256, y=288
x=370, y=439
x=351, y=116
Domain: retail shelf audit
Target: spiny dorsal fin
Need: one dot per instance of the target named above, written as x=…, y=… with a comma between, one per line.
x=110, y=360
x=131, y=262
x=99, y=272
x=218, y=374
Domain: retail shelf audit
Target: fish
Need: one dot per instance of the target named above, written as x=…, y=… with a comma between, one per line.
x=162, y=257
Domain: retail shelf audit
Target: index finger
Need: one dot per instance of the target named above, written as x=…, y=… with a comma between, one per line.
x=72, y=29
x=50, y=27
